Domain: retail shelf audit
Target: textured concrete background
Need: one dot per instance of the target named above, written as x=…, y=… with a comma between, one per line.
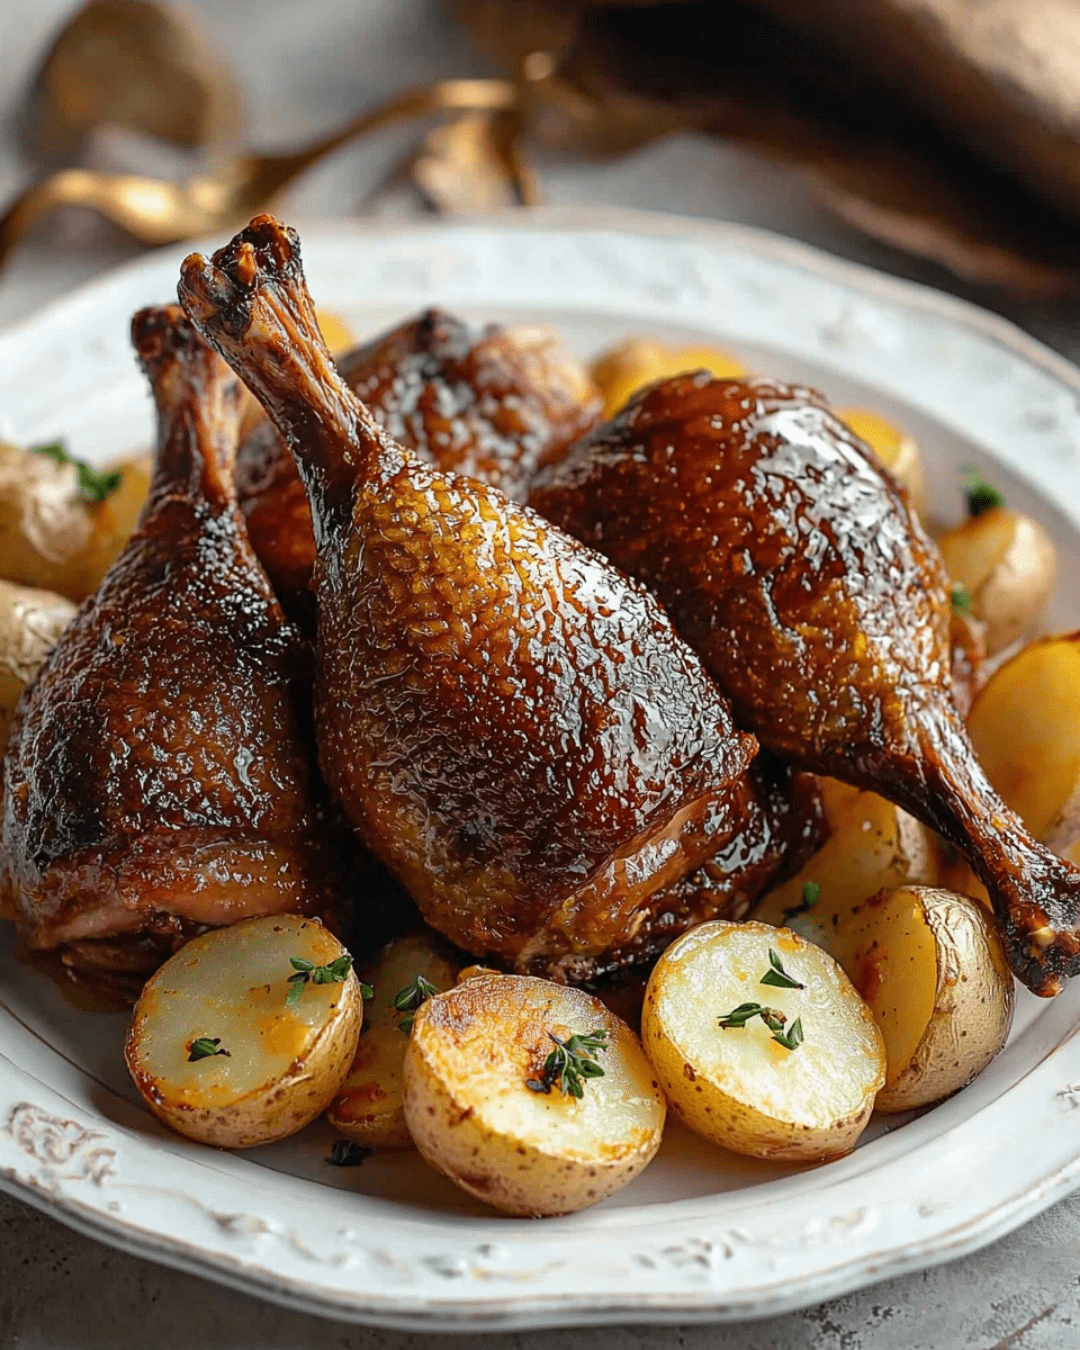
x=59, y=1291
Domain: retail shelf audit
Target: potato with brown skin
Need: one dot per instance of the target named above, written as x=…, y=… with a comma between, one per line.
x=740, y=1085
x=931, y=966
x=51, y=537
x=1025, y=726
x=1007, y=564
x=474, y=1116
x=221, y=1048
x=30, y=622
x=370, y=1108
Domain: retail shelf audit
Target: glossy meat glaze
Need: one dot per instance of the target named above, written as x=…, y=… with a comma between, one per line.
x=161, y=775
x=789, y=559
x=494, y=404
x=510, y=724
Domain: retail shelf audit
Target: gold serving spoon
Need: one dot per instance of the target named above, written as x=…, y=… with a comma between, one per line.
x=160, y=212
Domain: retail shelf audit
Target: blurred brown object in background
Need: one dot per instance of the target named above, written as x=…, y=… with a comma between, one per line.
x=950, y=128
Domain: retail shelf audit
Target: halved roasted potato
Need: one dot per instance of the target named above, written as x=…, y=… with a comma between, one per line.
x=898, y=451
x=932, y=969
x=1025, y=726
x=488, y=1106
x=370, y=1108
x=631, y=365
x=247, y=1033
x=30, y=622
x=761, y=1043
x=1007, y=565
x=52, y=534
x=873, y=846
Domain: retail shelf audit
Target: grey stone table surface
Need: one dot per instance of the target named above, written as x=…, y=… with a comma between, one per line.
x=303, y=67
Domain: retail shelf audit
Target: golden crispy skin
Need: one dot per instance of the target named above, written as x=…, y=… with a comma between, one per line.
x=789, y=559
x=493, y=404
x=160, y=776
x=511, y=725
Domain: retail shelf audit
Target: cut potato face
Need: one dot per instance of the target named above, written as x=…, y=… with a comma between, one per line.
x=898, y=451
x=1025, y=726
x=370, y=1108
x=637, y=362
x=473, y=1053
x=1008, y=564
x=49, y=536
x=220, y=1055
x=30, y=622
x=932, y=970
x=873, y=846
x=739, y=1086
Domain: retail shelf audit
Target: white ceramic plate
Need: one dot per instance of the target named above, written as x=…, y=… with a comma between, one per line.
x=701, y=1235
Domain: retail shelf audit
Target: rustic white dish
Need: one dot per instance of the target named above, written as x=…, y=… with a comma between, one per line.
x=701, y=1235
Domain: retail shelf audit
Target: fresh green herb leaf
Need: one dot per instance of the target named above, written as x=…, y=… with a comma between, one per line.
x=773, y=1018
x=366, y=990
x=205, y=1047
x=778, y=976
x=811, y=892
x=981, y=495
x=94, y=484
x=307, y=971
x=571, y=1061
x=410, y=998
x=347, y=1153
x=794, y=1037
x=960, y=597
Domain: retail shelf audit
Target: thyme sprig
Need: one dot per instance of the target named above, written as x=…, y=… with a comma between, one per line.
x=411, y=997
x=333, y=973
x=981, y=496
x=94, y=484
x=777, y=976
x=569, y=1063
x=960, y=598
x=811, y=893
x=773, y=1018
x=205, y=1047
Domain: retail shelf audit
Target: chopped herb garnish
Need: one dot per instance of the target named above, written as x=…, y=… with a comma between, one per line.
x=411, y=997
x=777, y=975
x=960, y=598
x=571, y=1061
x=334, y=973
x=205, y=1047
x=773, y=1018
x=981, y=495
x=94, y=484
x=347, y=1153
x=811, y=891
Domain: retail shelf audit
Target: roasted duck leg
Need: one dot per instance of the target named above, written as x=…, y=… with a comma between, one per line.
x=493, y=404
x=510, y=724
x=160, y=775
x=788, y=558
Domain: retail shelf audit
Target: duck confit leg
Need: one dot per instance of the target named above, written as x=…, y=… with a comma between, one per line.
x=788, y=558
x=160, y=776
x=511, y=725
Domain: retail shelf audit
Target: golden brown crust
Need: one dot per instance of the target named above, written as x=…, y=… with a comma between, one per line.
x=511, y=725
x=160, y=774
x=790, y=560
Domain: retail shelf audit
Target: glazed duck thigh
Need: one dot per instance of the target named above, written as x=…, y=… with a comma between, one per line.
x=790, y=560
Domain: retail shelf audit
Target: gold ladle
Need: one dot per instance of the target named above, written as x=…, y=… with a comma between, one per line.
x=160, y=212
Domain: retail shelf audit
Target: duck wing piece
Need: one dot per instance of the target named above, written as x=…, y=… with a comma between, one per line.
x=161, y=776
x=789, y=559
x=512, y=726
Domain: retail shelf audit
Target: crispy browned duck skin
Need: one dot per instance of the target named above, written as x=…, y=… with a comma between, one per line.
x=493, y=404
x=511, y=725
x=161, y=775
x=789, y=559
